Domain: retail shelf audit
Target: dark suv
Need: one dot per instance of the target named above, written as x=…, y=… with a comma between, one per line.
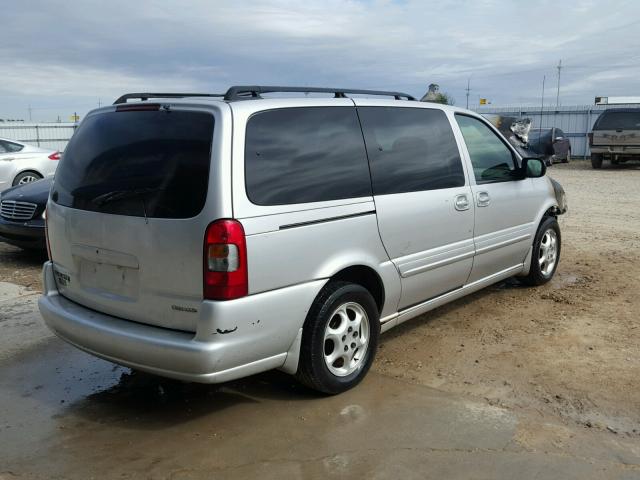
x=615, y=136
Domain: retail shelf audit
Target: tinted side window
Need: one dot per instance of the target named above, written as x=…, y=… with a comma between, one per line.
x=7, y=147
x=300, y=155
x=410, y=149
x=492, y=160
x=13, y=147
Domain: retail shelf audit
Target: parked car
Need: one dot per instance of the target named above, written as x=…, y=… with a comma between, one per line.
x=615, y=136
x=209, y=239
x=22, y=214
x=550, y=144
x=22, y=163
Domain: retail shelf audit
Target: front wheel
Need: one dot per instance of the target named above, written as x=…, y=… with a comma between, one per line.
x=339, y=338
x=546, y=253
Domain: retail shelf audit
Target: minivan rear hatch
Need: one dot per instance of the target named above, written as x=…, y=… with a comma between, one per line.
x=123, y=222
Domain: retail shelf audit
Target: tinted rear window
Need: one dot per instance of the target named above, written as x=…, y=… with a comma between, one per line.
x=410, y=149
x=618, y=121
x=137, y=163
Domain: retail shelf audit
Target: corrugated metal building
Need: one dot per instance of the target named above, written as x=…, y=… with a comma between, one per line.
x=46, y=135
x=575, y=121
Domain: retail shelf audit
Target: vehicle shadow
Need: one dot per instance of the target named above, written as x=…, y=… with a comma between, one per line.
x=156, y=402
x=22, y=257
x=70, y=384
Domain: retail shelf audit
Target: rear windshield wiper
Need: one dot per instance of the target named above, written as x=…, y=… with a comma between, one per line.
x=115, y=195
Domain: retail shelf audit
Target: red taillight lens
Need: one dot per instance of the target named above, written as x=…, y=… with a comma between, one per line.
x=225, y=261
x=590, y=135
x=54, y=156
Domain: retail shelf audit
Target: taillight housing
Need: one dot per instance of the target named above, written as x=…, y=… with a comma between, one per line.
x=54, y=156
x=590, y=135
x=225, y=261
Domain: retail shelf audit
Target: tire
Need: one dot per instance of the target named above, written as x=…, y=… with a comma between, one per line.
x=596, y=160
x=542, y=269
x=26, y=177
x=567, y=158
x=341, y=316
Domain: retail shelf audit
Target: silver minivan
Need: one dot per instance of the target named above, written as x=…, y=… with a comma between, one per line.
x=211, y=237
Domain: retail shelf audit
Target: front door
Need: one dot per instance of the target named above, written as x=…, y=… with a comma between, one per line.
x=423, y=200
x=506, y=204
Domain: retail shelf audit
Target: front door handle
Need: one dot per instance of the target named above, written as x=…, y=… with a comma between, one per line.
x=461, y=202
x=483, y=199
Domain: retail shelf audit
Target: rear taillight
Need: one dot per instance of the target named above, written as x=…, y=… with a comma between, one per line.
x=54, y=156
x=225, y=261
x=590, y=135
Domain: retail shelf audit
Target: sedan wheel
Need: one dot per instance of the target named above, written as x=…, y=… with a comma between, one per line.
x=26, y=177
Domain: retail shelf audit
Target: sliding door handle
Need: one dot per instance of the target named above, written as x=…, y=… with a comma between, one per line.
x=483, y=199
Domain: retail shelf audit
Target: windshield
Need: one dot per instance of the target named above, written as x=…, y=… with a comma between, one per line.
x=618, y=121
x=138, y=163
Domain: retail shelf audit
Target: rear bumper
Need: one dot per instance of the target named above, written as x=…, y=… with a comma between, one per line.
x=266, y=326
x=616, y=150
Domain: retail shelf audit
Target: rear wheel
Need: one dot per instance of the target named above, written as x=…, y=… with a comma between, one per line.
x=546, y=253
x=596, y=160
x=339, y=339
x=26, y=177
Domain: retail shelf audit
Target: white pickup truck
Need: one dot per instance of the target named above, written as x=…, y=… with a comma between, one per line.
x=615, y=136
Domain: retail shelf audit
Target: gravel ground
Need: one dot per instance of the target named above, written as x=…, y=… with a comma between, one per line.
x=569, y=349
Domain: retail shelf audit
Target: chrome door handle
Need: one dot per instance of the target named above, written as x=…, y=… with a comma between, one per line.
x=484, y=199
x=461, y=202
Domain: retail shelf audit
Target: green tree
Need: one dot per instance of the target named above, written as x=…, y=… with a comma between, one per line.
x=444, y=98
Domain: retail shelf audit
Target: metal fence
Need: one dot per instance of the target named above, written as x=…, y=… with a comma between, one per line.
x=46, y=135
x=576, y=121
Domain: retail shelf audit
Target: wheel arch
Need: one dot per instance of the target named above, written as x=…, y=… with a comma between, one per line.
x=549, y=209
x=365, y=276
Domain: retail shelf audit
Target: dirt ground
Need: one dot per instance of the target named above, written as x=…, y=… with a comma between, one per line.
x=569, y=349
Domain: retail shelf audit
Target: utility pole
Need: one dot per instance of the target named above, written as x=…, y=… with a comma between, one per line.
x=559, y=67
x=99, y=103
x=468, y=90
x=544, y=77
x=29, y=112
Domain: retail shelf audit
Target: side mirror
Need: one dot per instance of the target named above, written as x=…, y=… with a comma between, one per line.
x=533, y=168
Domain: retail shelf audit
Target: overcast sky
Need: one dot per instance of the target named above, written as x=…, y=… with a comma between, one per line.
x=66, y=56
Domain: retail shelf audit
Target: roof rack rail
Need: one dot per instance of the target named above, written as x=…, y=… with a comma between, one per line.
x=246, y=92
x=147, y=96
